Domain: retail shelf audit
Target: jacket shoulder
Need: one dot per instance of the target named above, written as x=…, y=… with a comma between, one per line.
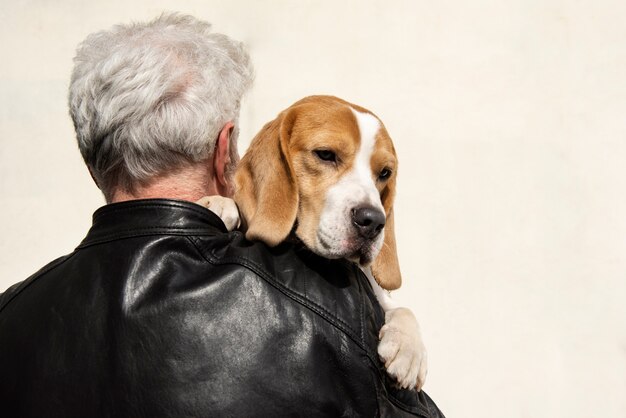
x=334, y=290
x=18, y=287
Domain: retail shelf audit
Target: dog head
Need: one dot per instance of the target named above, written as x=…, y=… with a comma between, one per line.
x=325, y=169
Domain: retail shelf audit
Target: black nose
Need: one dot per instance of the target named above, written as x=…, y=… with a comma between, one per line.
x=368, y=221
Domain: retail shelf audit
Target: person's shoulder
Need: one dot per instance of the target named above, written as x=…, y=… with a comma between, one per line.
x=335, y=290
x=288, y=265
x=15, y=289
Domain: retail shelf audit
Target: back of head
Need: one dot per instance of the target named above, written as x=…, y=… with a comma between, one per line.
x=147, y=98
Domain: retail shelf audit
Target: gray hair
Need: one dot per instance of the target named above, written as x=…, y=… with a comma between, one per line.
x=147, y=98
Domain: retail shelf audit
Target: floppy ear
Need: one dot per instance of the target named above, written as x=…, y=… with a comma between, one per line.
x=386, y=268
x=265, y=187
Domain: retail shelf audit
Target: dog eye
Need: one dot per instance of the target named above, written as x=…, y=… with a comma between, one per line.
x=384, y=174
x=326, y=155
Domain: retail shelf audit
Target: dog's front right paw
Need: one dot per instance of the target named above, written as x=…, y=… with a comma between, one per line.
x=223, y=207
x=401, y=349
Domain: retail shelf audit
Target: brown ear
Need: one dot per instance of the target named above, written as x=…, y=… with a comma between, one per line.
x=386, y=268
x=265, y=187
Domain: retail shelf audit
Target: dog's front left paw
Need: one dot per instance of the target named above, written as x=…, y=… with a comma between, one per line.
x=401, y=349
x=223, y=207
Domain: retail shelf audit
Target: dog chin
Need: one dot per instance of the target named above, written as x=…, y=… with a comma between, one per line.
x=355, y=249
x=363, y=255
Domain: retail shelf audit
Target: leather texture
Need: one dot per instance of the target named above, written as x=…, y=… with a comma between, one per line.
x=160, y=312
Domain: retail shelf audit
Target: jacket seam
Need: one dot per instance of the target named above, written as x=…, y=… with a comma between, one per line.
x=417, y=409
x=33, y=279
x=319, y=310
x=143, y=232
x=142, y=204
x=303, y=300
x=337, y=322
x=361, y=311
x=375, y=382
x=390, y=396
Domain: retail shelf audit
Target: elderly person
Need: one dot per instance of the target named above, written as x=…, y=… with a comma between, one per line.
x=160, y=312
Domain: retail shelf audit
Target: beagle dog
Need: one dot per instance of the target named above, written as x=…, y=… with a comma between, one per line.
x=325, y=170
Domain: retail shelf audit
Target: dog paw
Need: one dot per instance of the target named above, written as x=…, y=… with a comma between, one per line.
x=223, y=207
x=401, y=349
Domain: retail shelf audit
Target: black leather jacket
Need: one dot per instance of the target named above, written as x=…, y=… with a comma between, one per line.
x=161, y=313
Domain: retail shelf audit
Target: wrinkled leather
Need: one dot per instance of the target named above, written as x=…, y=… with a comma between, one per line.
x=161, y=313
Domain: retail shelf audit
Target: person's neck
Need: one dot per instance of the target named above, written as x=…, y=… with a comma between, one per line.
x=189, y=183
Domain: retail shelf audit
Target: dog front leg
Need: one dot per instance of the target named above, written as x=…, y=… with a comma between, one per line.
x=401, y=347
x=223, y=207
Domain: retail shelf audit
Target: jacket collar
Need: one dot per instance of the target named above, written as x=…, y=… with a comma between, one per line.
x=151, y=217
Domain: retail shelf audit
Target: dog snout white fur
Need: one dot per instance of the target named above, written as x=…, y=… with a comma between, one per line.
x=337, y=236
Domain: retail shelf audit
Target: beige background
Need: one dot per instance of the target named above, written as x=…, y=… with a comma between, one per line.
x=510, y=121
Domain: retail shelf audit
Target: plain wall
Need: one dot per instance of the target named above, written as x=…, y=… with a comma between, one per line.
x=510, y=122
